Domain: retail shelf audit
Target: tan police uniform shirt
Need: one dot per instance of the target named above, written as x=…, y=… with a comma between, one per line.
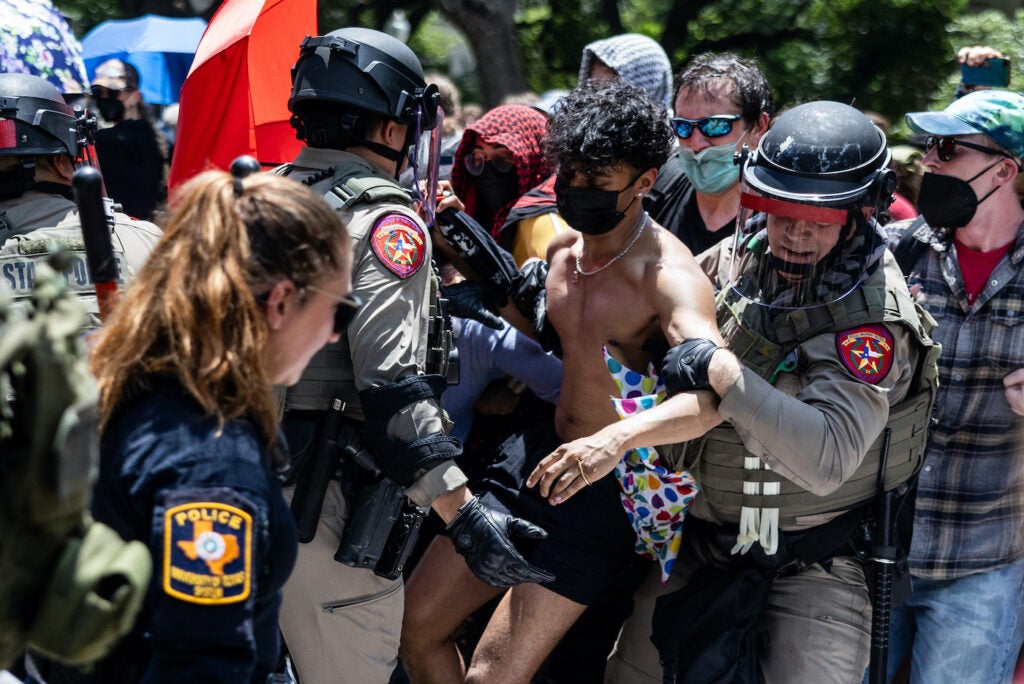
x=387, y=340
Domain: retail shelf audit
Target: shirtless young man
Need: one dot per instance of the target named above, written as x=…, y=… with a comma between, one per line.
x=623, y=283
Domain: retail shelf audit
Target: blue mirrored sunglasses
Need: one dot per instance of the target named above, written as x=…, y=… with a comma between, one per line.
x=710, y=126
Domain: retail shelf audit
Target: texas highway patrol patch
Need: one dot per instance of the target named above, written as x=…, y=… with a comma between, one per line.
x=207, y=553
x=866, y=351
x=398, y=242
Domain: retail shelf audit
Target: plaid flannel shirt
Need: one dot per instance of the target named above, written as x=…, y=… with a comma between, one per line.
x=969, y=516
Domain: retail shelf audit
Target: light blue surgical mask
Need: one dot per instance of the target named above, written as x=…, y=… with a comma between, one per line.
x=711, y=170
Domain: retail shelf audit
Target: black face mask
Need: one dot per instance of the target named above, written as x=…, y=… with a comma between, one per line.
x=947, y=201
x=110, y=108
x=590, y=210
x=495, y=189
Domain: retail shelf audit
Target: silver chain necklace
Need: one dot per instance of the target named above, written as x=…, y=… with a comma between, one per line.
x=579, y=252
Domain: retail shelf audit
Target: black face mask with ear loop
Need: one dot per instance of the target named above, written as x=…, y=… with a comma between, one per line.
x=590, y=210
x=948, y=201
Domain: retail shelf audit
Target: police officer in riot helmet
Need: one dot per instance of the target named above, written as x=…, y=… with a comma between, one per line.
x=817, y=203
x=41, y=141
x=367, y=433
x=823, y=338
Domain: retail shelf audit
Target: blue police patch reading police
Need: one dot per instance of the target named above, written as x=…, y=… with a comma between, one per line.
x=207, y=553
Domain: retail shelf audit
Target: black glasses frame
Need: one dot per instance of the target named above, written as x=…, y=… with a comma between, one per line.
x=345, y=312
x=946, y=147
x=709, y=126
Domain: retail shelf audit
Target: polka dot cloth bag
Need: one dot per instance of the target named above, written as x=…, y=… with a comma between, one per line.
x=655, y=498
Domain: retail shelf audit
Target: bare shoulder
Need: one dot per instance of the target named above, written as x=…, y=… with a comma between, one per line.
x=683, y=293
x=561, y=242
x=673, y=258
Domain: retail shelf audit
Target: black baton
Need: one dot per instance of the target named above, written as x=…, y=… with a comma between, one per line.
x=884, y=558
x=87, y=184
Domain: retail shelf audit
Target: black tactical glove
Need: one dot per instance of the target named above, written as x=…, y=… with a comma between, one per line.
x=484, y=538
x=686, y=365
x=474, y=300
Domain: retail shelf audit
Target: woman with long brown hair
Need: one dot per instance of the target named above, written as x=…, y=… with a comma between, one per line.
x=250, y=279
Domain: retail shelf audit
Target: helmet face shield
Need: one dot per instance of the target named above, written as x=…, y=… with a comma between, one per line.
x=425, y=160
x=796, y=254
x=806, y=233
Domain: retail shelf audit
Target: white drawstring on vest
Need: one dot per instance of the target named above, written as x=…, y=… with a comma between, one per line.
x=758, y=524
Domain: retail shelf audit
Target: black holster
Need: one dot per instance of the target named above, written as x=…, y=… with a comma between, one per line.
x=312, y=474
x=383, y=524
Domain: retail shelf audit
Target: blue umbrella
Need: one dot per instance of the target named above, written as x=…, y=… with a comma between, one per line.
x=161, y=48
x=35, y=39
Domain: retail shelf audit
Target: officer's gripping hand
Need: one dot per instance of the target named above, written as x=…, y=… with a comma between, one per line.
x=686, y=365
x=484, y=538
x=473, y=300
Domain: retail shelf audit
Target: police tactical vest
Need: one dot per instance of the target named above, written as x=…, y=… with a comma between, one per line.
x=719, y=464
x=21, y=255
x=362, y=198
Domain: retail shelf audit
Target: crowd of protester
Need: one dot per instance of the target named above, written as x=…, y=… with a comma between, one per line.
x=727, y=382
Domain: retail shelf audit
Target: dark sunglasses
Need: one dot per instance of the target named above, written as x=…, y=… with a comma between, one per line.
x=947, y=147
x=344, y=312
x=710, y=126
x=474, y=163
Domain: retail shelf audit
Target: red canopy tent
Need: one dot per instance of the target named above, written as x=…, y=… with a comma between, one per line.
x=235, y=99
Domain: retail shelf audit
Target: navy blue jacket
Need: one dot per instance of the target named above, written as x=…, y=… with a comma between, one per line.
x=208, y=504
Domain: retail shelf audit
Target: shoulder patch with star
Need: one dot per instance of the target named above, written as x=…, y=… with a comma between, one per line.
x=399, y=244
x=207, y=553
x=866, y=351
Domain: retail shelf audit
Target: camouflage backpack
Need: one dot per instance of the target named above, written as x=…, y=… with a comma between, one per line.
x=69, y=587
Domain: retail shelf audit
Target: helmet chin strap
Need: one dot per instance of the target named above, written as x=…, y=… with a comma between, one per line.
x=383, y=150
x=389, y=153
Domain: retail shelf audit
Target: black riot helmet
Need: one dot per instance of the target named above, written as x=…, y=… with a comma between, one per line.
x=35, y=120
x=823, y=153
x=345, y=81
x=362, y=70
x=808, y=195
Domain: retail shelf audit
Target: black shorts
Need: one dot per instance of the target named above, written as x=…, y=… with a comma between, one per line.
x=590, y=543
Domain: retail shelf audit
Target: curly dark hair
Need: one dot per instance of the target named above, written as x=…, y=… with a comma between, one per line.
x=607, y=123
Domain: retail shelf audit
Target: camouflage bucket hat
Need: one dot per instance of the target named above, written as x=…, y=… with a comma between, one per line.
x=999, y=114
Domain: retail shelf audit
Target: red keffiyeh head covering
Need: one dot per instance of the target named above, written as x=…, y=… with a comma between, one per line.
x=519, y=128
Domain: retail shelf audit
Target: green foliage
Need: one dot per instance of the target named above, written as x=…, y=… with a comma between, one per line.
x=83, y=15
x=882, y=55
x=990, y=28
x=440, y=46
x=890, y=56
x=552, y=36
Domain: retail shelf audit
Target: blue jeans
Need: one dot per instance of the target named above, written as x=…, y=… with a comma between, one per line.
x=961, y=631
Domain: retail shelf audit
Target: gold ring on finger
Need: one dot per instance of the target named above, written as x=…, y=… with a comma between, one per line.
x=579, y=464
